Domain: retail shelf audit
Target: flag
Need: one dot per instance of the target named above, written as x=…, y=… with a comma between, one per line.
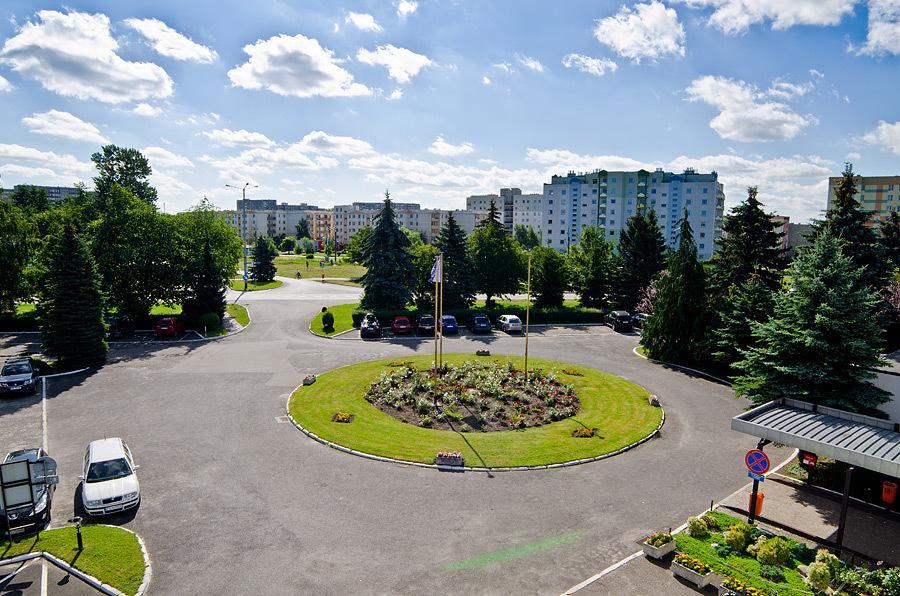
x=437, y=269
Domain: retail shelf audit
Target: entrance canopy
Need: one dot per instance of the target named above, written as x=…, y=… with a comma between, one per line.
x=858, y=440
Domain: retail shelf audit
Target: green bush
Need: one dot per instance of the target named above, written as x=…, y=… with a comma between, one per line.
x=209, y=321
x=753, y=549
x=425, y=421
x=803, y=553
x=697, y=528
x=723, y=550
x=834, y=564
x=771, y=573
x=710, y=520
x=328, y=320
x=890, y=581
x=737, y=537
x=774, y=551
x=818, y=577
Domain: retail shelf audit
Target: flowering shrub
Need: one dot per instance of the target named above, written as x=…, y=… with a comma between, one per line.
x=697, y=528
x=449, y=454
x=657, y=539
x=484, y=396
x=695, y=565
x=342, y=417
x=739, y=587
x=584, y=433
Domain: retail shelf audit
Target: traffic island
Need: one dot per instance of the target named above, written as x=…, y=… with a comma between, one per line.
x=532, y=429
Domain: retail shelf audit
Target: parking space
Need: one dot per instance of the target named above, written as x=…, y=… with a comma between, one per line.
x=579, y=330
x=38, y=577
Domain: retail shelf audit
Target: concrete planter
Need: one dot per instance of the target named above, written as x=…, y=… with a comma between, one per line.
x=723, y=591
x=658, y=552
x=442, y=460
x=701, y=581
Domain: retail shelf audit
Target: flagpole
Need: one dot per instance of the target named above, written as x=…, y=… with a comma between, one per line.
x=527, y=313
x=441, y=277
x=435, y=321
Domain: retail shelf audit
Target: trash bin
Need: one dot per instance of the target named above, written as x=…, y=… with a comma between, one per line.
x=888, y=492
x=760, y=497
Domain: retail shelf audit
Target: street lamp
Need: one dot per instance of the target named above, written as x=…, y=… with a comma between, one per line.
x=244, y=222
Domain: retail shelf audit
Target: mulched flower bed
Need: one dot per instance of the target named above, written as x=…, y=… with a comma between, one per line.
x=481, y=396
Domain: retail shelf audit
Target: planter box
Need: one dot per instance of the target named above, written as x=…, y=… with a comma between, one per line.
x=309, y=380
x=448, y=461
x=658, y=552
x=701, y=581
x=723, y=591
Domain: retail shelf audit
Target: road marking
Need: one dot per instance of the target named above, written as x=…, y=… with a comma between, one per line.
x=44, y=440
x=515, y=552
x=43, y=578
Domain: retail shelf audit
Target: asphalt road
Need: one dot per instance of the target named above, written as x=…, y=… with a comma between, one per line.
x=237, y=500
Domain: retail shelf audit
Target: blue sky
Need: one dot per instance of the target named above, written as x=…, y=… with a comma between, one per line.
x=331, y=103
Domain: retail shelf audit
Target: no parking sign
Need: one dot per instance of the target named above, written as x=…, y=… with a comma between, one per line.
x=757, y=461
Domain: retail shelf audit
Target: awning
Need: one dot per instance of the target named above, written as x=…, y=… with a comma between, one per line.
x=854, y=439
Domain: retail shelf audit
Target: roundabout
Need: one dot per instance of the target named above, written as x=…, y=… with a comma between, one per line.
x=614, y=415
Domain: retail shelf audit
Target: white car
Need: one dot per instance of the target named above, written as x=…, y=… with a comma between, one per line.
x=109, y=484
x=510, y=323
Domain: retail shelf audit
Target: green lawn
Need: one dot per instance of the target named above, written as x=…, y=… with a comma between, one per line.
x=343, y=321
x=25, y=308
x=239, y=313
x=288, y=266
x=616, y=407
x=238, y=285
x=162, y=309
x=110, y=554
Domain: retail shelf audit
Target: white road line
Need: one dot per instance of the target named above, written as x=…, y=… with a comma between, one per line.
x=44, y=440
x=43, y=578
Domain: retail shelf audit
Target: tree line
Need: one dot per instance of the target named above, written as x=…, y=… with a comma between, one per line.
x=110, y=251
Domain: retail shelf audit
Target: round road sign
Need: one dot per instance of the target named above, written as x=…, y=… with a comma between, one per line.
x=757, y=461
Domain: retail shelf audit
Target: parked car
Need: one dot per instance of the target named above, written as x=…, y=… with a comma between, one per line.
x=169, y=327
x=109, y=483
x=449, y=326
x=401, y=325
x=619, y=320
x=370, y=327
x=639, y=319
x=509, y=323
x=481, y=323
x=39, y=513
x=18, y=377
x=426, y=325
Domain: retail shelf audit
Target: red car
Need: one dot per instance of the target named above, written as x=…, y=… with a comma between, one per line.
x=169, y=327
x=401, y=325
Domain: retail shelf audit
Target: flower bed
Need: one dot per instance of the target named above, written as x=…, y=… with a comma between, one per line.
x=484, y=396
x=345, y=417
x=693, y=570
x=658, y=545
x=449, y=458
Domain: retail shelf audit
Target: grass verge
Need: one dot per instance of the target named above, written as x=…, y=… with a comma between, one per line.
x=288, y=266
x=239, y=313
x=110, y=554
x=617, y=408
x=343, y=320
x=238, y=285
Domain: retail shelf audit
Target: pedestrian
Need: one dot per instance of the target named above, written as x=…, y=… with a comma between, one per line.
x=298, y=274
x=307, y=263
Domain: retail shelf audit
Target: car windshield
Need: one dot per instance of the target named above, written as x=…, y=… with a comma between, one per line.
x=164, y=323
x=622, y=317
x=426, y=320
x=481, y=318
x=16, y=368
x=108, y=470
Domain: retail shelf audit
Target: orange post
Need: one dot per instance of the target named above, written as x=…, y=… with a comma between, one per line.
x=760, y=497
x=888, y=492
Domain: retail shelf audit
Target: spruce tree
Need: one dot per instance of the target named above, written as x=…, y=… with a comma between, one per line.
x=459, y=270
x=847, y=221
x=823, y=338
x=263, y=269
x=389, y=276
x=741, y=307
x=493, y=217
x=642, y=256
x=675, y=330
x=591, y=267
x=207, y=288
x=526, y=236
x=889, y=237
x=549, y=278
x=71, y=308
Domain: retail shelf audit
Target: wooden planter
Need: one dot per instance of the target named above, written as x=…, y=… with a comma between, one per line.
x=658, y=552
x=701, y=581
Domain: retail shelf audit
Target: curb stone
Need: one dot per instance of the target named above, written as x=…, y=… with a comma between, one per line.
x=685, y=368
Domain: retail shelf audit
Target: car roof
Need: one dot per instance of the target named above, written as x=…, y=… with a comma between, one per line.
x=619, y=312
x=106, y=449
x=31, y=454
x=448, y=316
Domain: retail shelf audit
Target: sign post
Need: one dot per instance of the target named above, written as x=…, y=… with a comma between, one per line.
x=757, y=464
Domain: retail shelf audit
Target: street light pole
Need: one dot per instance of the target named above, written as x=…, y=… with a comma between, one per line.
x=244, y=223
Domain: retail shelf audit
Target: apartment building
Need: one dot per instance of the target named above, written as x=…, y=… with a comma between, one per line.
x=607, y=199
x=528, y=210
x=267, y=217
x=504, y=202
x=879, y=195
x=54, y=193
x=784, y=224
x=349, y=219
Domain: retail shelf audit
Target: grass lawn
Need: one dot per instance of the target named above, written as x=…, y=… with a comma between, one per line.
x=617, y=408
x=239, y=313
x=344, y=282
x=25, y=308
x=238, y=285
x=163, y=310
x=288, y=266
x=111, y=555
x=343, y=321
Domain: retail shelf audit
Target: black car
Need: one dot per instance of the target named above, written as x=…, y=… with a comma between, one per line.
x=370, y=327
x=425, y=325
x=620, y=321
x=481, y=323
x=18, y=377
x=39, y=512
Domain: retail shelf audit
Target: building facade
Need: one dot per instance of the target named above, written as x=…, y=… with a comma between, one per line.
x=528, y=211
x=504, y=202
x=879, y=195
x=784, y=224
x=267, y=217
x=607, y=199
x=349, y=219
x=54, y=193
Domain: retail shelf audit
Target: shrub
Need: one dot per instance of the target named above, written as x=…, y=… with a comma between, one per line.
x=423, y=406
x=834, y=564
x=344, y=417
x=861, y=581
x=711, y=522
x=890, y=581
x=697, y=528
x=802, y=553
x=583, y=433
x=723, y=550
x=818, y=577
x=753, y=549
x=328, y=320
x=425, y=421
x=657, y=539
x=771, y=573
x=209, y=321
x=773, y=551
x=737, y=537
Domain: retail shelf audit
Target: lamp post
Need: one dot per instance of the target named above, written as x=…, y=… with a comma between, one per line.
x=244, y=222
x=527, y=313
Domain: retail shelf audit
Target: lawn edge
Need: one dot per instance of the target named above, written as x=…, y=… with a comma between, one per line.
x=705, y=375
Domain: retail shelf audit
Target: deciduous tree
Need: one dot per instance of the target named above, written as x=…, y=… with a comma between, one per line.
x=591, y=267
x=498, y=260
x=15, y=231
x=125, y=167
x=549, y=278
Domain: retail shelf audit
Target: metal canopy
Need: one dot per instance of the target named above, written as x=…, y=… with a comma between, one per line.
x=854, y=439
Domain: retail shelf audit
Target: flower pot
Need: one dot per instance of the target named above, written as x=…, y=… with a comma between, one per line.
x=658, y=552
x=701, y=581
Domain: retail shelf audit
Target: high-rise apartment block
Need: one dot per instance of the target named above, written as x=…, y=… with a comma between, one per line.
x=879, y=195
x=349, y=219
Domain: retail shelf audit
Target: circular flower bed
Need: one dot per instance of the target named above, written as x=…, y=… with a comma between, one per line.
x=484, y=396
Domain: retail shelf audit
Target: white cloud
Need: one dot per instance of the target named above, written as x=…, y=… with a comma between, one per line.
x=146, y=110
x=363, y=22
x=736, y=16
x=402, y=64
x=160, y=157
x=395, y=95
x=318, y=141
x=444, y=180
x=294, y=66
x=74, y=54
x=787, y=91
x=884, y=29
x=485, y=80
x=231, y=138
x=268, y=160
x=504, y=66
x=406, y=8
x=647, y=31
x=5, y=85
x=27, y=164
x=64, y=125
x=853, y=156
x=595, y=66
x=744, y=114
x=171, y=43
x=885, y=135
x=445, y=149
x=530, y=63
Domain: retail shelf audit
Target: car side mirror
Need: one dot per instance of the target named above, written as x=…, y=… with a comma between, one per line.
x=136, y=466
x=81, y=477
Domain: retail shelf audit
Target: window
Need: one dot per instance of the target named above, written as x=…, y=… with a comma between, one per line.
x=561, y=241
x=613, y=201
x=703, y=213
x=594, y=191
x=613, y=179
x=705, y=190
x=550, y=202
x=688, y=202
x=612, y=232
x=563, y=192
x=652, y=191
x=702, y=245
x=703, y=202
x=550, y=222
x=550, y=211
x=689, y=191
x=653, y=180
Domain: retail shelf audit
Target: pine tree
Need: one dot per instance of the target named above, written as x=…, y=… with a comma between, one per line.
x=493, y=217
x=263, y=269
x=71, y=309
x=642, y=256
x=207, y=288
x=591, y=267
x=459, y=270
x=526, y=236
x=889, y=238
x=675, y=330
x=823, y=338
x=847, y=221
x=741, y=307
x=388, y=280
x=549, y=278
